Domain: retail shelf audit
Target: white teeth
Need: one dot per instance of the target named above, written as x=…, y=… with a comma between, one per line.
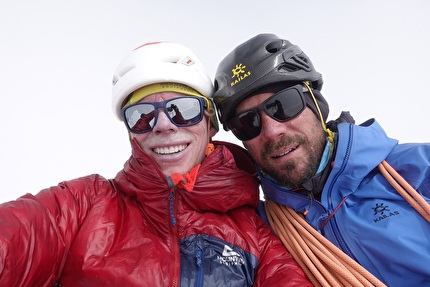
x=284, y=153
x=169, y=150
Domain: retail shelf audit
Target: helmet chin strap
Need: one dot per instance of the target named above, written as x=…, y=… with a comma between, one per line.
x=210, y=147
x=316, y=104
x=330, y=134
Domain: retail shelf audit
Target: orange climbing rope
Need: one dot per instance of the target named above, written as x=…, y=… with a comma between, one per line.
x=323, y=262
x=405, y=189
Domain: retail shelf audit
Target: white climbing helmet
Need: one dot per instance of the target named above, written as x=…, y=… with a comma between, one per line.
x=158, y=62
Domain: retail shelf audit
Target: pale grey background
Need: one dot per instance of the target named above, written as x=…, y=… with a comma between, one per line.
x=57, y=59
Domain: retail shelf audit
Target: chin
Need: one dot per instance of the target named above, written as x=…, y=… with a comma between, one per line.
x=170, y=171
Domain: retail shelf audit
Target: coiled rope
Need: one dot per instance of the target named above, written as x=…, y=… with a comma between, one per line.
x=323, y=262
x=405, y=189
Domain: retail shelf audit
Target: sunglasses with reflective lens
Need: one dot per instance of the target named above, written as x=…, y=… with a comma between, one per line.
x=282, y=106
x=182, y=111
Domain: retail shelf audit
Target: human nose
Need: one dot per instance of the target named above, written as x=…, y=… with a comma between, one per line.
x=270, y=128
x=163, y=123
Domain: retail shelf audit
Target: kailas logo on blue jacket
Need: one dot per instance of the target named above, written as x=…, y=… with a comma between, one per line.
x=382, y=212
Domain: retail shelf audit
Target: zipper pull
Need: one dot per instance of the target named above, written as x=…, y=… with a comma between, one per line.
x=311, y=200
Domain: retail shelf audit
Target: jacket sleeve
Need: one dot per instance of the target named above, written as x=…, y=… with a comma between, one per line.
x=277, y=267
x=36, y=231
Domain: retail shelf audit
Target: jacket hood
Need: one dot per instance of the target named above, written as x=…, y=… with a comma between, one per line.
x=360, y=149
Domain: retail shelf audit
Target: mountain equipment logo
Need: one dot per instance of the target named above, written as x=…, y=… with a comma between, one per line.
x=229, y=252
x=383, y=211
x=239, y=74
x=230, y=257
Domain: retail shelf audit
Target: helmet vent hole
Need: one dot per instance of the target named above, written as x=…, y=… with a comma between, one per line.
x=274, y=47
x=304, y=59
x=216, y=85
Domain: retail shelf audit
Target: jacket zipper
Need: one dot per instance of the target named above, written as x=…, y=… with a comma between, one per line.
x=199, y=264
x=175, y=241
x=332, y=222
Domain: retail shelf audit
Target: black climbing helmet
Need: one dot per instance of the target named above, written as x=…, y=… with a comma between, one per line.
x=261, y=61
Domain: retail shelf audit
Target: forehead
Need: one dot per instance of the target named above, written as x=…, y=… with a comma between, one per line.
x=158, y=97
x=253, y=101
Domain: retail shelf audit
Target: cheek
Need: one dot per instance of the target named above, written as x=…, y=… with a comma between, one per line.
x=140, y=138
x=201, y=136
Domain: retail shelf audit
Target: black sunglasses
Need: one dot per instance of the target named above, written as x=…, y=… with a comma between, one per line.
x=141, y=117
x=282, y=106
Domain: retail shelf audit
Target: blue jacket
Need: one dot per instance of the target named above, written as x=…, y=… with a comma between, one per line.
x=373, y=223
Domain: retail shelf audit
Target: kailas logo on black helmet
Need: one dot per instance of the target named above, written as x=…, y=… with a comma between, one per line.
x=239, y=73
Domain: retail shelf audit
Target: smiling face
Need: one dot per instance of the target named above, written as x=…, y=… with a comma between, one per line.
x=290, y=151
x=175, y=149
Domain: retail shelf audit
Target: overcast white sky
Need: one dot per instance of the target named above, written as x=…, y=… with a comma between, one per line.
x=57, y=59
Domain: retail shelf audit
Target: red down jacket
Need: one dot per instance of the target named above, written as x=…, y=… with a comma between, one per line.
x=135, y=230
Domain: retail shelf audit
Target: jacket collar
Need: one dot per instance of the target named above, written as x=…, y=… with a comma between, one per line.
x=217, y=180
